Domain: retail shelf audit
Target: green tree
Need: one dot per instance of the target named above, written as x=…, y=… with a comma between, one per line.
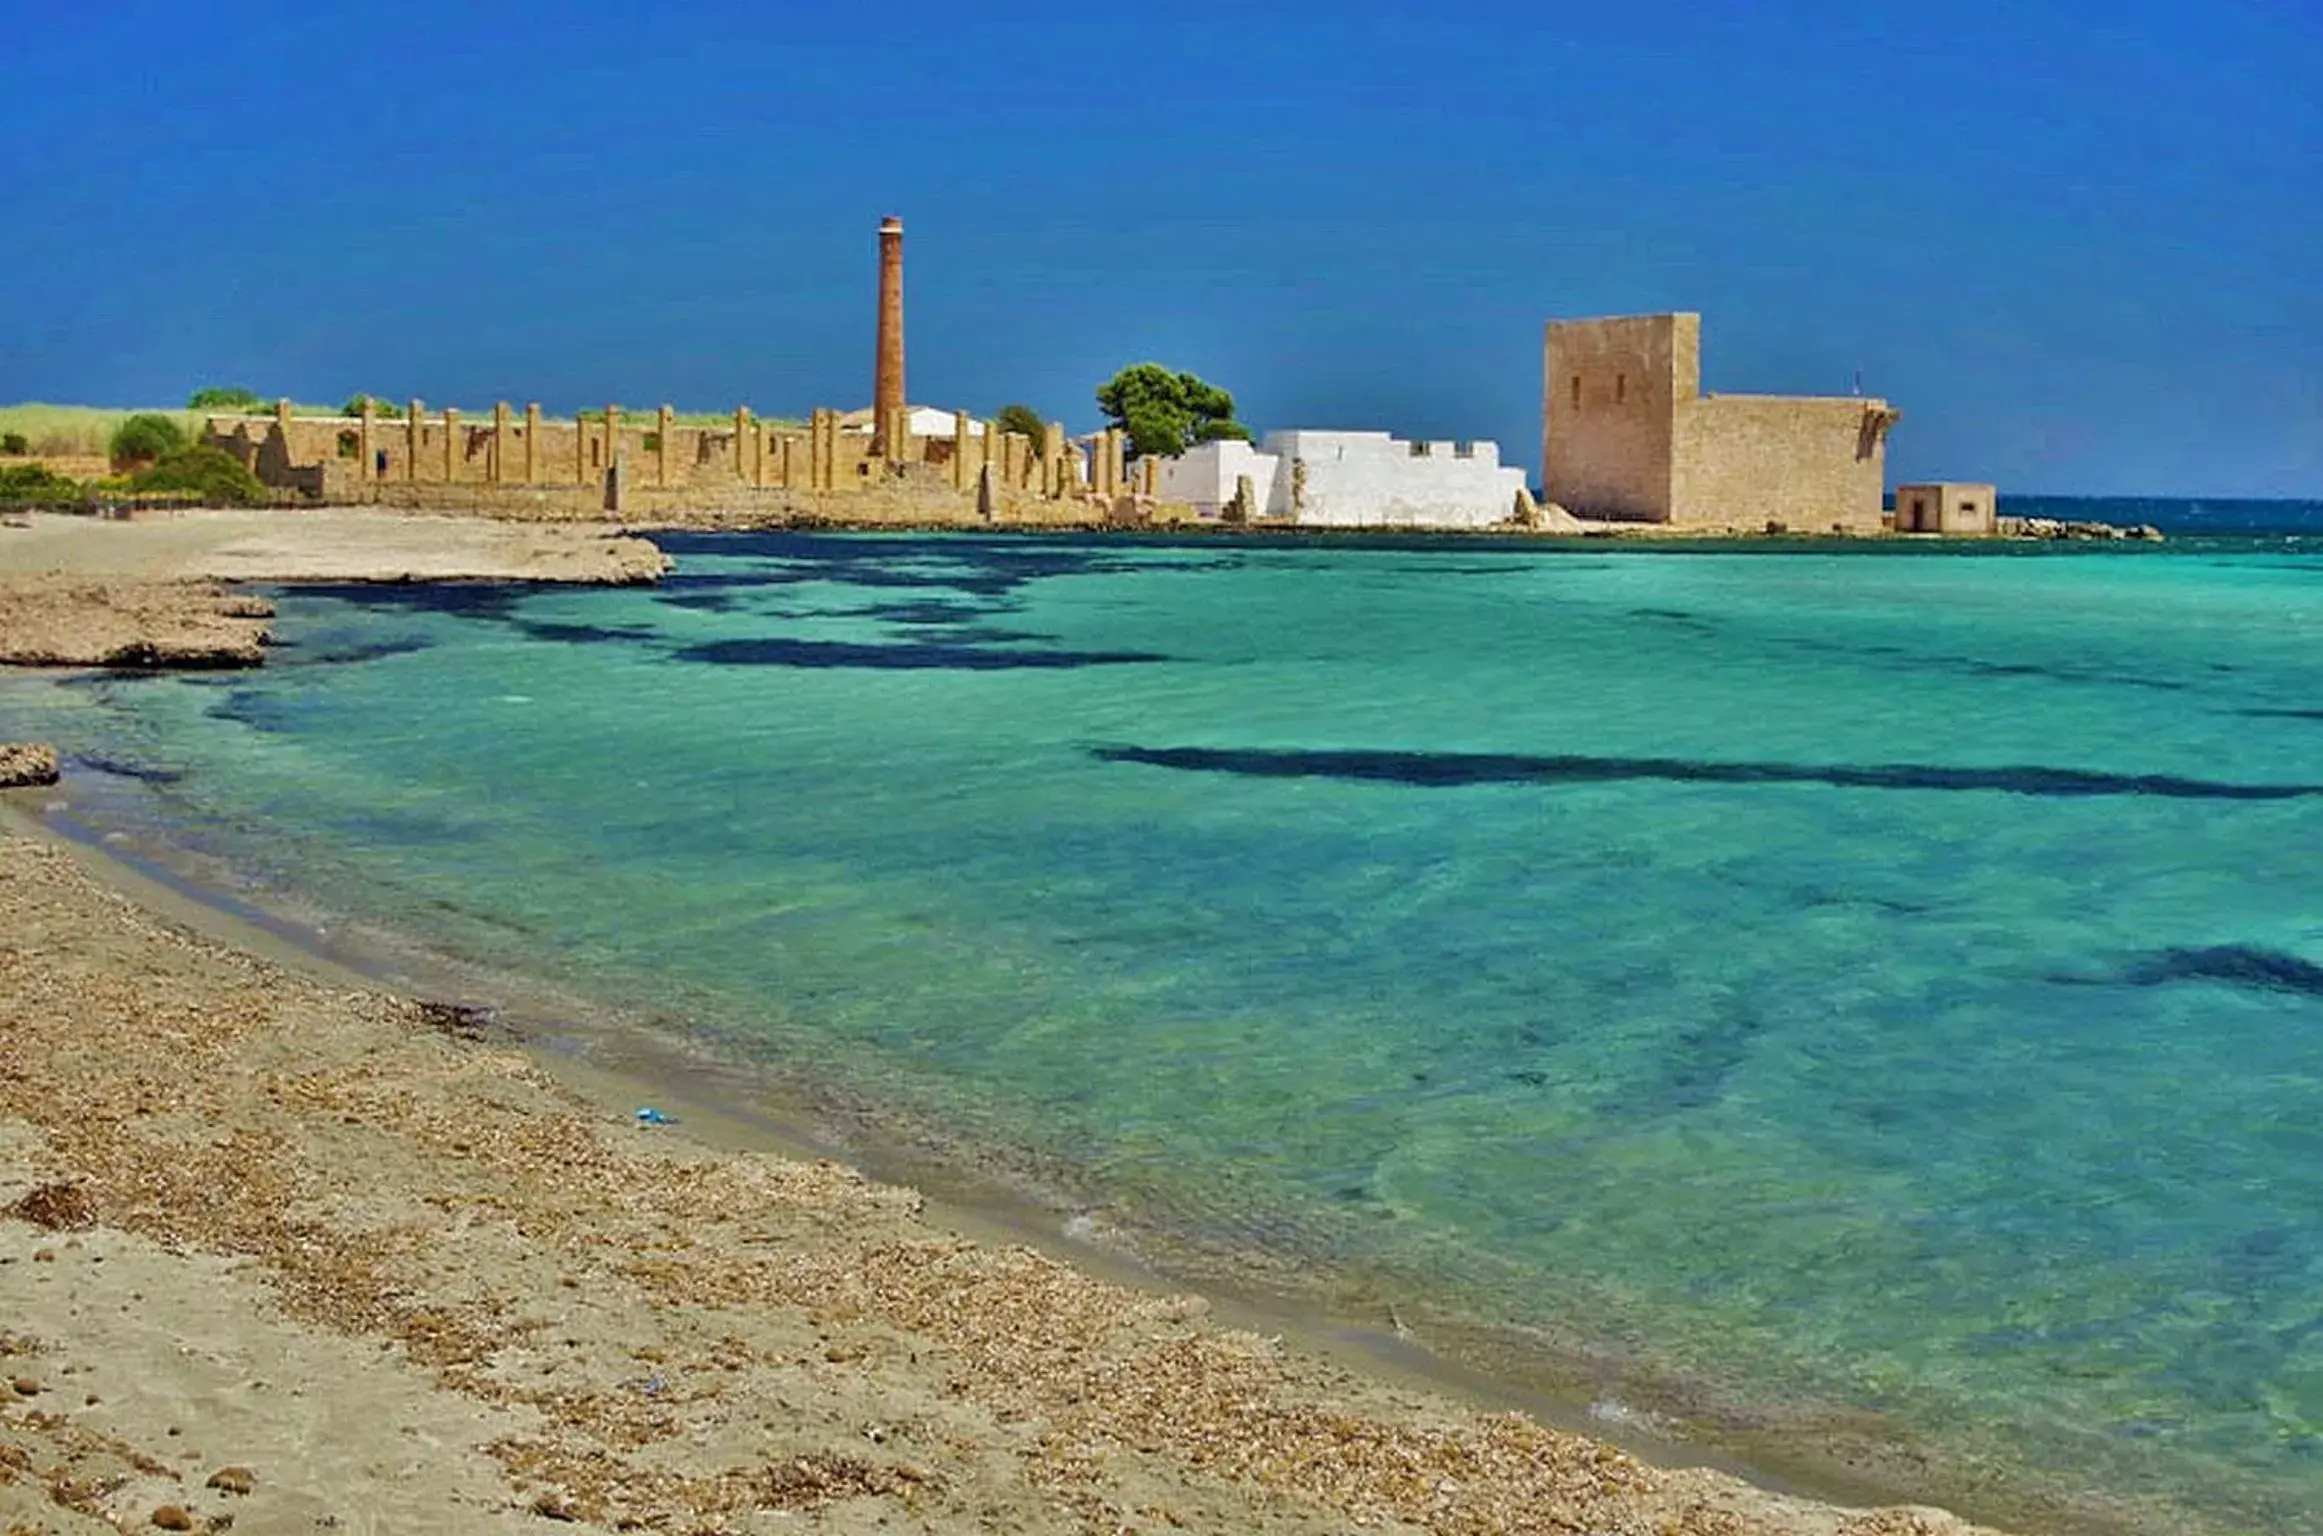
x=1022, y=419
x=14, y=442
x=146, y=438
x=230, y=398
x=210, y=473
x=380, y=406
x=1166, y=413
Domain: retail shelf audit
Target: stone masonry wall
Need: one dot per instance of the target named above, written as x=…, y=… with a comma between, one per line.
x=1609, y=391
x=1743, y=461
x=643, y=464
x=1628, y=435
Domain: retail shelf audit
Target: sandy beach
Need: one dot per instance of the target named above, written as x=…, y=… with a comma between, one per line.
x=289, y=1253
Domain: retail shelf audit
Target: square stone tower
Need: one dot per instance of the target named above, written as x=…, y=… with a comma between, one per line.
x=1627, y=435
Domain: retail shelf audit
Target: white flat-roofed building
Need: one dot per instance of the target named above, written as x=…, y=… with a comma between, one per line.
x=1204, y=476
x=1372, y=480
x=1351, y=480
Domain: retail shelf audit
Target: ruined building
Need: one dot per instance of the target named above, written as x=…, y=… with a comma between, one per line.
x=1629, y=436
x=911, y=465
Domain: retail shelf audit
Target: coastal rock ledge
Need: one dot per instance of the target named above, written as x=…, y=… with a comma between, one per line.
x=61, y=622
x=26, y=763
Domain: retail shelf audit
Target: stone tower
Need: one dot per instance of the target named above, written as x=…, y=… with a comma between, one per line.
x=887, y=378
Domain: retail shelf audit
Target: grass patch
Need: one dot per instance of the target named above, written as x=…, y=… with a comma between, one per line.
x=79, y=429
x=87, y=429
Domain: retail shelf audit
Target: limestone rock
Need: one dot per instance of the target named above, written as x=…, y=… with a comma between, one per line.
x=26, y=762
x=237, y=1480
x=173, y=1517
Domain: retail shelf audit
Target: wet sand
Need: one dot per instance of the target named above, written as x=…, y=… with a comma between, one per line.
x=404, y=1277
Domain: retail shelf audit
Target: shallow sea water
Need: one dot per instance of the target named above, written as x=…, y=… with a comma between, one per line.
x=1869, y=994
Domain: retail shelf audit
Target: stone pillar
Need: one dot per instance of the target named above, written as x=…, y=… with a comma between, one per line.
x=496, y=467
x=819, y=450
x=887, y=394
x=1053, y=479
x=1149, y=476
x=580, y=448
x=899, y=444
x=414, y=431
x=743, y=437
x=452, y=453
x=532, y=442
x=363, y=441
x=663, y=432
x=960, y=441
x=282, y=420
x=612, y=437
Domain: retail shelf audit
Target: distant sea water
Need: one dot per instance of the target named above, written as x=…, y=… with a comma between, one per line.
x=1867, y=1001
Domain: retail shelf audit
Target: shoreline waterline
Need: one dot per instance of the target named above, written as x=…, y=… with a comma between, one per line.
x=1630, y=1106
x=725, y=1103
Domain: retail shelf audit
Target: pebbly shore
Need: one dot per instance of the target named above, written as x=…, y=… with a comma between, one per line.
x=289, y=1253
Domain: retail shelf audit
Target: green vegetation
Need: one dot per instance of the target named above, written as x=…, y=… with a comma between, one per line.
x=146, y=438
x=21, y=483
x=51, y=431
x=380, y=406
x=15, y=443
x=207, y=473
x=1023, y=420
x=234, y=399
x=1166, y=413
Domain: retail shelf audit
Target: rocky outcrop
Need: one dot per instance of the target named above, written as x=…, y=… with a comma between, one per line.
x=56, y=622
x=2066, y=528
x=25, y=763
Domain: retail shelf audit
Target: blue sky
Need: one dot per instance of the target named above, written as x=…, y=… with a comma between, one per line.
x=2081, y=244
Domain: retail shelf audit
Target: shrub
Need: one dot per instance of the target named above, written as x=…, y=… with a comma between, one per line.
x=210, y=473
x=1023, y=420
x=36, y=482
x=147, y=438
x=15, y=443
x=380, y=406
x=224, y=399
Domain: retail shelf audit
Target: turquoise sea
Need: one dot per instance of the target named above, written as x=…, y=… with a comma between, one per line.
x=1860, y=1006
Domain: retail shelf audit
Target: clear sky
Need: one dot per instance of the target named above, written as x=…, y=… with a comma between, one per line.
x=2080, y=242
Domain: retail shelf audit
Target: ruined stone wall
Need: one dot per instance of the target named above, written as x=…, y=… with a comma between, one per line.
x=1610, y=392
x=625, y=464
x=1812, y=465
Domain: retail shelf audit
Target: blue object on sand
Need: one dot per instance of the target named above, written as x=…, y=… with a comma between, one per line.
x=651, y=1116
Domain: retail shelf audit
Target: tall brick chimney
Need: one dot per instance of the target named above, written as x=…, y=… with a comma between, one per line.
x=887, y=379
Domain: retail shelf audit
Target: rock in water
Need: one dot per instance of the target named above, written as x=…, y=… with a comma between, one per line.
x=26, y=762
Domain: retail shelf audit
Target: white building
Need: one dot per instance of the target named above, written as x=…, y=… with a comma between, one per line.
x=1204, y=475
x=926, y=421
x=1351, y=480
